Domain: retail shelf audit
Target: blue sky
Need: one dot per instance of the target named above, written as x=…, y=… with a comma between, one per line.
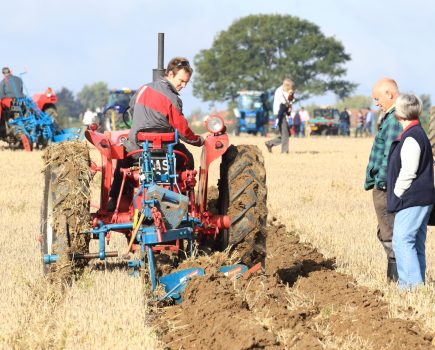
x=72, y=43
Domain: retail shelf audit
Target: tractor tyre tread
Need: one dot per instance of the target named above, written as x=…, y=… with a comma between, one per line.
x=243, y=196
x=65, y=207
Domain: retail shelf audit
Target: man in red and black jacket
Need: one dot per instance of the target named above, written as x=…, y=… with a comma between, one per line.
x=157, y=107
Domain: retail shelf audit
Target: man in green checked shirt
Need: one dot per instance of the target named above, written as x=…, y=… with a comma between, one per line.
x=385, y=93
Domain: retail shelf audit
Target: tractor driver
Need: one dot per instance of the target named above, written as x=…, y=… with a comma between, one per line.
x=11, y=86
x=157, y=107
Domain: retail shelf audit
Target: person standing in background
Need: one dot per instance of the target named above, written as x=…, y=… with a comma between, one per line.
x=385, y=93
x=361, y=120
x=297, y=122
x=305, y=118
x=282, y=108
x=88, y=117
x=344, y=122
x=411, y=192
x=370, y=117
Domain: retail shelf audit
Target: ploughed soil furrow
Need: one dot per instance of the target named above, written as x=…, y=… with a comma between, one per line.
x=299, y=301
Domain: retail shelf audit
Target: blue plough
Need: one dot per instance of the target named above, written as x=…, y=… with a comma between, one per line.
x=36, y=128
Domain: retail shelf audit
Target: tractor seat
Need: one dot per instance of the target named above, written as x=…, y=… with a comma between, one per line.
x=156, y=138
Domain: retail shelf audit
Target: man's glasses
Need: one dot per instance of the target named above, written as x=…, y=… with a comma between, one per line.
x=183, y=64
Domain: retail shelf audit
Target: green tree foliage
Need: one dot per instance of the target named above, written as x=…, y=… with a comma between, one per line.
x=94, y=95
x=357, y=102
x=258, y=51
x=425, y=113
x=425, y=100
x=67, y=105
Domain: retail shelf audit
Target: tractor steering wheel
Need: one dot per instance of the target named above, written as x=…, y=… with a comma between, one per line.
x=127, y=117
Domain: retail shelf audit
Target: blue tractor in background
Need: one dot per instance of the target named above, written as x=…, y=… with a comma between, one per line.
x=252, y=112
x=114, y=115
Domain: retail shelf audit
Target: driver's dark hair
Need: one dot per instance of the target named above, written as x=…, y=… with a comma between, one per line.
x=178, y=63
x=6, y=70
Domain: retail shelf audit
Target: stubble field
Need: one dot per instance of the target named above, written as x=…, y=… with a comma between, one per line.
x=315, y=192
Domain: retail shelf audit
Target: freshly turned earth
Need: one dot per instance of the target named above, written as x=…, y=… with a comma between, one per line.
x=300, y=301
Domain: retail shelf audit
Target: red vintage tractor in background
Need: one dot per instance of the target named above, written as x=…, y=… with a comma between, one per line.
x=46, y=102
x=32, y=123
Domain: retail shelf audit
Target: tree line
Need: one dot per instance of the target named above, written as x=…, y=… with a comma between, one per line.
x=90, y=96
x=364, y=102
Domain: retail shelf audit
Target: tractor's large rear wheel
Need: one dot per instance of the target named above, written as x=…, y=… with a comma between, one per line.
x=65, y=207
x=52, y=112
x=243, y=196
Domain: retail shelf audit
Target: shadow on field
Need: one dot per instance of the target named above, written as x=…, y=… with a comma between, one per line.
x=303, y=269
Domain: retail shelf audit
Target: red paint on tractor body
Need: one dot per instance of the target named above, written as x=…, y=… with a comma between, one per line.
x=45, y=100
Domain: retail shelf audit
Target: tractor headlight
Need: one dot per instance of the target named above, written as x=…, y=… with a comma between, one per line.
x=214, y=124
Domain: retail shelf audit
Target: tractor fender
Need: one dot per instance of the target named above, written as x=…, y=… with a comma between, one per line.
x=47, y=106
x=100, y=142
x=214, y=147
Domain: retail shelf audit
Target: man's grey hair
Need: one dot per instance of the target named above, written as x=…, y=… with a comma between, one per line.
x=408, y=107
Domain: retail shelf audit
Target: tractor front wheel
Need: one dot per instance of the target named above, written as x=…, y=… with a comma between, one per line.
x=243, y=197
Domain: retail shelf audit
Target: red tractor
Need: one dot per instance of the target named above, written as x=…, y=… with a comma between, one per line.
x=46, y=102
x=31, y=123
x=161, y=206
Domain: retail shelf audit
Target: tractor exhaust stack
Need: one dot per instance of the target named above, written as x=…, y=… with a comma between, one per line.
x=159, y=72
